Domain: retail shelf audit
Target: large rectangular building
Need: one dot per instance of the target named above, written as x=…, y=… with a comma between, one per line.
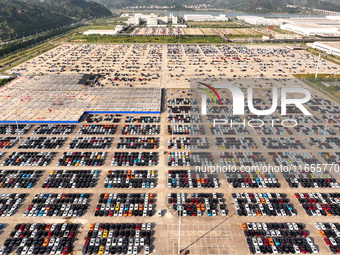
x=308, y=29
x=197, y=17
x=332, y=48
x=255, y=20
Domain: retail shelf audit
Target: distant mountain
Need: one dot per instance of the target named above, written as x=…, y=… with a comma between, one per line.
x=75, y=9
x=28, y=16
x=253, y=6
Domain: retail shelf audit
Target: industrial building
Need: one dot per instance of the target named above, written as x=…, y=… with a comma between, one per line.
x=117, y=29
x=197, y=17
x=134, y=20
x=332, y=48
x=256, y=20
x=309, y=29
x=150, y=19
x=328, y=21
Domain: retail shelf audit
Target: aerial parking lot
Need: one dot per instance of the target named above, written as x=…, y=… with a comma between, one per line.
x=141, y=167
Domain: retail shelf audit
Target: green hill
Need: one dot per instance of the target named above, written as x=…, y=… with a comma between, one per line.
x=23, y=17
x=253, y=6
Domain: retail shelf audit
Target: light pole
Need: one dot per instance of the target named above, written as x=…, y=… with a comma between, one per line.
x=179, y=228
x=317, y=67
x=334, y=77
x=326, y=128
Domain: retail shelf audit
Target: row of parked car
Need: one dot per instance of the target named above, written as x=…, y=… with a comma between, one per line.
x=105, y=129
x=182, y=101
x=293, y=158
x=310, y=180
x=188, y=143
x=41, y=238
x=179, y=158
x=66, y=179
x=186, y=130
x=135, y=204
x=313, y=130
x=138, y=143
x=130, y=179
x=228, y=130
x=246, y=143
x=282, y=143
x=191, y=179
x=135, y=159
x=330, y=234
x=263, y=204
x=29, y=159
x=97, y=118
x=198, y=204
x=54, y=129
x=19, y=178
x=293, y=229
x=274, y=238
x=8, y=142
x=182, y=109
x=118, y=238
x=320, y=204
x=10, y=203
x=101, y=143
x=184, y=118
x=331, y=158
x=43, y=143
x=144, y=129
x=242, y=158
x=324, y=143
x=143, y=119
x=257, y=179
x=82, y=159
x=58, y=205
x=13, y=129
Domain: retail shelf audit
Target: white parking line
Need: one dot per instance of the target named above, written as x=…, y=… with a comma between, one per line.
x=218, y=241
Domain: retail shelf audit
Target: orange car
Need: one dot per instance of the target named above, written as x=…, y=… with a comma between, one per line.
x=130, y=212
x=321, y=233
x=46, y=241
x=244, y=226
x=202, y=207
x=125, y=213
x=271, y=242
x=140, y=207
x=258, y=213
x=48, y=226
x=92, y=226
x=198, y=207
x=106, y=196
x=328, y=213
x=151, y=196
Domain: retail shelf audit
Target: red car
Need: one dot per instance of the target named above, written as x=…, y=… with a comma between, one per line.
x=327, y=241
x=265, y=241
x=65, y=250
x=71, y=234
